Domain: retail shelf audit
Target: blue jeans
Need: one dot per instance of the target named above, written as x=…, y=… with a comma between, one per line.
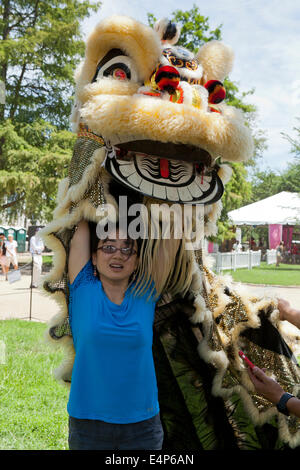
x=89, y=434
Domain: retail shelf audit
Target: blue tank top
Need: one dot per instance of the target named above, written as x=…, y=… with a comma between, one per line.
x=113, y=376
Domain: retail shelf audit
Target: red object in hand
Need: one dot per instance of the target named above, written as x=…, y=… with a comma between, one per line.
x=245, y=358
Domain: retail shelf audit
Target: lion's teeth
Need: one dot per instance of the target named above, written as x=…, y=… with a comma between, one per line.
x=195, y=189
x=127, y=170
x=184, y=194
x=135, y=179
x=159, y=191
x=172, y=194
x=146, y=187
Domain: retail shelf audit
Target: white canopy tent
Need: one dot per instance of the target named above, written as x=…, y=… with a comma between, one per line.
x=282, y=208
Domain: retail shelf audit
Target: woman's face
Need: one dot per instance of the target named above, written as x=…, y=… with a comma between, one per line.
x=115, y=266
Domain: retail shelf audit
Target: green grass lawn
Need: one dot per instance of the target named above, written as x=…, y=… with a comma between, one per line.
x=33, y=413
x=284, y=275
x=47, y=259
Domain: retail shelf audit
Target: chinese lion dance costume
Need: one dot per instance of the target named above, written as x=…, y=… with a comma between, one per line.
x=151, y=124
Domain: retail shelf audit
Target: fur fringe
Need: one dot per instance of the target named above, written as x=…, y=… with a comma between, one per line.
x=220, y=134
x=219, y=359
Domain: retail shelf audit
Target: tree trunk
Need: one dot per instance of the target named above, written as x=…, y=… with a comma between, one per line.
x=12, y=203
x=4, y=65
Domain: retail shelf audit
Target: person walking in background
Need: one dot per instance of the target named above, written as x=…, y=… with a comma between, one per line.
x=3, y=258
x=237, y=246
x=294, y=252
x=36, y=249
x=279, y=253
x=11, y=251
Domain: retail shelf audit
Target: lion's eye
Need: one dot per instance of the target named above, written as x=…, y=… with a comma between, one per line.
x=175, y=61
x=116, y=65
x=191, y=65
x=119, y=74
x=172, y=59
x=119, y=71
x=179, y=63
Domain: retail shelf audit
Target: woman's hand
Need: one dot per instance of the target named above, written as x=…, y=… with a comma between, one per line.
x=286, y=312
x=272, y=391
x=265, y=386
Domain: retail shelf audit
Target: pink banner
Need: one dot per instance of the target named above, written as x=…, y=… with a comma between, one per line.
x=287, y=236
x=275, y=235
x=210, y=248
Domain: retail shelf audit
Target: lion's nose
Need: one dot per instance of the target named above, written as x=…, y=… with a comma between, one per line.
x=167, y=78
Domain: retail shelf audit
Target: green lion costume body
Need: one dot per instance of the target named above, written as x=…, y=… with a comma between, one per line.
x=151, y=126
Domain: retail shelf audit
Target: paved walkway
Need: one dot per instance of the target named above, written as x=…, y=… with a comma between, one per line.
x=292, y=294
x=15, y=299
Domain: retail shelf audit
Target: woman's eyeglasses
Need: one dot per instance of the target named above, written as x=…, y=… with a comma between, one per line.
x=110, y=249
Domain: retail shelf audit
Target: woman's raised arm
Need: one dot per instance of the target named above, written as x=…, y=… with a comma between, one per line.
x=80, y=251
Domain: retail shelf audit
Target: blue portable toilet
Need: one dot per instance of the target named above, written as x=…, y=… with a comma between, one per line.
x=21, y=240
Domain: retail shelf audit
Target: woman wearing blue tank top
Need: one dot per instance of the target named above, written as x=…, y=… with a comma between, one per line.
x=113, y=403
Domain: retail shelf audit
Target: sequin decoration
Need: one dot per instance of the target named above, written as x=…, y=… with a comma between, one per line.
x=84, y=148
x=233, y=314
x=84, y=131
x=261, y=403
x=199, y=258
x=58, y=331
x=64, y=237
x=213, y=339
x=96, y=193
x=213, y=300
x=284, y=369
x=209, y=275
x=293, y=424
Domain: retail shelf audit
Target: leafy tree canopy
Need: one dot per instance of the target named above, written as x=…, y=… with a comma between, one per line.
x=295, y=142
x=37, y=157
x=40, y=46
x=269, y=182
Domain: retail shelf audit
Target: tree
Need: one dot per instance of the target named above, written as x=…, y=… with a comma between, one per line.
x=37, y=157
x=295, y=142
x=265, y=183
x=237, y=193
x=270, y=182
x=41, y=45
x=291, y=176
x=195, y=30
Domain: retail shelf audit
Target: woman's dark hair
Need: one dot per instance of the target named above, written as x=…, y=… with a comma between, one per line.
x=94, y=240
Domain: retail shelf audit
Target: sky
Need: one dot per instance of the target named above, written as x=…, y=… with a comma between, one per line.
x=265, y=37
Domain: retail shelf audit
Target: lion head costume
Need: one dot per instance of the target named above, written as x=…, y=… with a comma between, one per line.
x=152, y=125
